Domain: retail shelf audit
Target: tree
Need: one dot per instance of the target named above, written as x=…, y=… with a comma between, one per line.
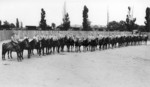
x=130, y=21
x=66, y=22
x=86, y=23
x=53, y=26
x=12, y=25
x=141, y=28
x=17, y=23
x=6, y=25
x=0, y=24
x=117, y=26
x=147, y=18
x=43, y=24
x=112, y=26
x=21, y=24
x=122, y=26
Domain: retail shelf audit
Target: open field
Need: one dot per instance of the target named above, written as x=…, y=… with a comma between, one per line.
x=120, y=67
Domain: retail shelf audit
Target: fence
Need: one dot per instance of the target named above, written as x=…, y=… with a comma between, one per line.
x=31, y=33
x=6, y=34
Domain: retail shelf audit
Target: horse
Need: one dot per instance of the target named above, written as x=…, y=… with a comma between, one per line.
x=85, y=44
x=100, y=43
x=33, y=44
x=24, y=45
x=93, y=44
x=9, y=47
x=38, y=47
x=62, y=43
x=70, y=44
x=44, y=45
x=78, y=44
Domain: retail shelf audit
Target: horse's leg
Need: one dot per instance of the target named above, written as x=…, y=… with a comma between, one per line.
x=50, y=50
x=18, y=59
x=76, y=48
x=22, y=54
x=47, y=48
x=61, y=48
x=37, y=51
x=8, y=54
x=3, y=54
x=43, y=50
x=53, y=49
x=72, y=48
x=32, y=51
x=69, y=48
x=58, y=49
x=11, y=54
x=28, y=53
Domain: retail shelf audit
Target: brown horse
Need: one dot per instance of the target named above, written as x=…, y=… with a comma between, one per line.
x=9, y=47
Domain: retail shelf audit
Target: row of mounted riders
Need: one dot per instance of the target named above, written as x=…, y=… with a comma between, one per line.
x=48, y=46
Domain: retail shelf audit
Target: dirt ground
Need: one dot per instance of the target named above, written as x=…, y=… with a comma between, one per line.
x=120, y=67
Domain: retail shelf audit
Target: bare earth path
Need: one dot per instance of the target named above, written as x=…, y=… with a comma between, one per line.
x=121, y=67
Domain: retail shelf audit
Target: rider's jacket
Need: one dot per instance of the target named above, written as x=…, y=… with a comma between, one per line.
x=15, y=38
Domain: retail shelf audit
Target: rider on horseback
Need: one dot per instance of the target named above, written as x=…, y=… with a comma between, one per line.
x=14, y=39
x=25, y=37
x=35, y=37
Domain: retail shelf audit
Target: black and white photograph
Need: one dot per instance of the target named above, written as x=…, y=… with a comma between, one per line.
x=74, y=43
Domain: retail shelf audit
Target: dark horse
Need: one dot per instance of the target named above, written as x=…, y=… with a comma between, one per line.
x=44, y=45
x=9, y=47
x=34, y=44
x=24, y=45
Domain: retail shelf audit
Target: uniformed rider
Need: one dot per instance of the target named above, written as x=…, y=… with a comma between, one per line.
x=14, y=39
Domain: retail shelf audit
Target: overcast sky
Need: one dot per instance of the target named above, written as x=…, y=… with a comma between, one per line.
x=29, y=11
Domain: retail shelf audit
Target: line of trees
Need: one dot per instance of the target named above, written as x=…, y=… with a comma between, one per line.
x=7, y=25
x=128, y=25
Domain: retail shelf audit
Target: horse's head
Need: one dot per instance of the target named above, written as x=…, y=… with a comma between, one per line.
x=34, y=41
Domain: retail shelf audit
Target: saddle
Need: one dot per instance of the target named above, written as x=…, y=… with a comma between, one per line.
x=14, y=43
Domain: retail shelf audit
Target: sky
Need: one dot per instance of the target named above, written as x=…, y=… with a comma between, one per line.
x=29, y=11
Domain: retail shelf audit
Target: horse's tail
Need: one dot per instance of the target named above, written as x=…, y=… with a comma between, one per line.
x=3, y=49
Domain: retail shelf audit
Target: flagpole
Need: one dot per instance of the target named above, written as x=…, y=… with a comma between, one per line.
x=107, y=16
x=108, y=19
